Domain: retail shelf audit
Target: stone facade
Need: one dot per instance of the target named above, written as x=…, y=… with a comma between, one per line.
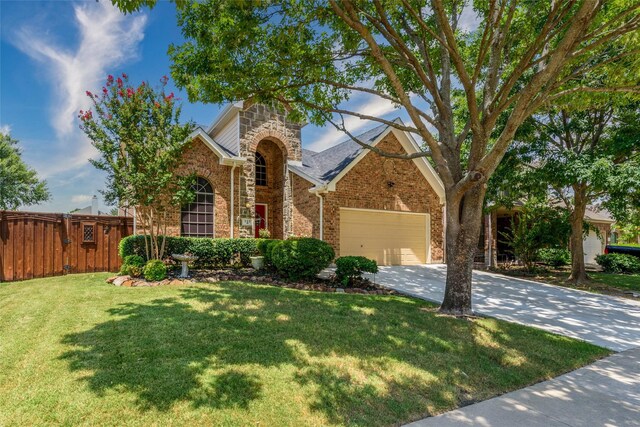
x=378, y=183
x=260, y=123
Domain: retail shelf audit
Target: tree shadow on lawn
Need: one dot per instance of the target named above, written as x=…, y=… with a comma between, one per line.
x=361, y=360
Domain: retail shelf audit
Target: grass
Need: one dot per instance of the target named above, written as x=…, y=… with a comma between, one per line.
x=604, y=283
x=629, y=282
x=74, y=350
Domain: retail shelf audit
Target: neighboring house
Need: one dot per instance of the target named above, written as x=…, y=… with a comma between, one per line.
x=92, y=209
x=253, y=173
x=494, y=249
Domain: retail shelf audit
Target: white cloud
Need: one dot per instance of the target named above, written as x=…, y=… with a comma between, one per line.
x=5, y=129
x=107, y=38
x=371, y=106
x=81, y=198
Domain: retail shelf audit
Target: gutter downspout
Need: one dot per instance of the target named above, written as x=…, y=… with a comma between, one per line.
x=232, y=213
x=318, y=192
x=135, y=222
x=321, y=215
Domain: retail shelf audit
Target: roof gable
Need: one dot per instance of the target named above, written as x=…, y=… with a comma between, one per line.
x=326, y=168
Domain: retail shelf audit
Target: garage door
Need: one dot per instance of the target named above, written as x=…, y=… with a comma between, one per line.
x=592, y=247
x=391, y=238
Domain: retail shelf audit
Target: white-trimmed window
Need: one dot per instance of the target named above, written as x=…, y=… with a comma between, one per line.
x=197, y=217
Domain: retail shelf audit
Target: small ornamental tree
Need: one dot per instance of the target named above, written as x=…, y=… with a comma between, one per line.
x=140, y=139
x=536, y=227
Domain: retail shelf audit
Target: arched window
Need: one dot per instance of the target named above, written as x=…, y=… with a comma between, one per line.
x=261, y=170
x=196, y=218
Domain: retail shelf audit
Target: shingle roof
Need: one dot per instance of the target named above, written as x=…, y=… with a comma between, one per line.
x=325, y=165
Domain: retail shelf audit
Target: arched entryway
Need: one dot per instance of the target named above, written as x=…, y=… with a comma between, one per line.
x=269, y=181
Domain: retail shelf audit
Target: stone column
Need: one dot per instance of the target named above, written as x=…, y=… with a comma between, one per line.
x=287, y=204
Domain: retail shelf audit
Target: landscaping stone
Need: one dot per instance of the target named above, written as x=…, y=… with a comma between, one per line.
x=128, y=283
x=111, y=279
x=118, y=281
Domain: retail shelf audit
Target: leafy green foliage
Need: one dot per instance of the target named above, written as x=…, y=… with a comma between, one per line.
x=555, y=257
x=264, y=233
x=132, y=265
x=138, y=133
x=301, y=258
x=19, y=185
x=211, y=253
x=535, y=227
x=265, y=247
x=155, y=270
x=619, y=263
x=349, y=268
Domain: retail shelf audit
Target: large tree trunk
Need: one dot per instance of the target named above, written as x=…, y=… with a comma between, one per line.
x=578, y=270
x=464, y=221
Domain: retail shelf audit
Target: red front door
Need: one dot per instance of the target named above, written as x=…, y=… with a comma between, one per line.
x=261, y=218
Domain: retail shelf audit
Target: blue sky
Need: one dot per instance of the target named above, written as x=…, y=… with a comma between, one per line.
x=51, y=52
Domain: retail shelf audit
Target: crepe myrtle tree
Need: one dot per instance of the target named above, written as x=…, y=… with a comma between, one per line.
x=311, y=56
x=138, y=134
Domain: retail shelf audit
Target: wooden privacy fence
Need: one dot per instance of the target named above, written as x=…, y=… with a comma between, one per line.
x=43, y=244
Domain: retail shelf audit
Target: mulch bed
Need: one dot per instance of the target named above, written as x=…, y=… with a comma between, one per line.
x=263, y=277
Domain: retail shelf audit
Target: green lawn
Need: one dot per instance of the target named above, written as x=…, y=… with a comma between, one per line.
x=621, y=281
x=74, y=350
x=605, y=283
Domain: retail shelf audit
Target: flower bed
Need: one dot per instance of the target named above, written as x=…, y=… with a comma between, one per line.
x=362, y=286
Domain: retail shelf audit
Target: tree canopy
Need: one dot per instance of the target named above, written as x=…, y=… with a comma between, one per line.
x=576, y=157
x=19, y=184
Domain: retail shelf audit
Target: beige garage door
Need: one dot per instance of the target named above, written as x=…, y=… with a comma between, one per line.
x=391, y=238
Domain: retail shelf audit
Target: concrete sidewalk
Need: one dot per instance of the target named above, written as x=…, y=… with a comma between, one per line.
x=606, y=393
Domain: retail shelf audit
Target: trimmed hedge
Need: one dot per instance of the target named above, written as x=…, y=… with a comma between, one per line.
x=351, y=267
x=554, y=257
x=211, y=253
x=619, y=263
x=155, y=270
x=301, y=258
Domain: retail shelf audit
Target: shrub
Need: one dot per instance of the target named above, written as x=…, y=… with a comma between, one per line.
x=301, y=258
x=155, y=270
x=619, y=263
x=263, y=233
x=535, y=227
x=351, y=267
x=132, y=265
x=265, y=248
x=555, y=257
x=210, y=252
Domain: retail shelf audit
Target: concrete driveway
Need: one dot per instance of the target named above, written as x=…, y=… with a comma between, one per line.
x=606, y=321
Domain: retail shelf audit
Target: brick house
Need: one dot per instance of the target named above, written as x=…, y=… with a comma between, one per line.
x=253, y=173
